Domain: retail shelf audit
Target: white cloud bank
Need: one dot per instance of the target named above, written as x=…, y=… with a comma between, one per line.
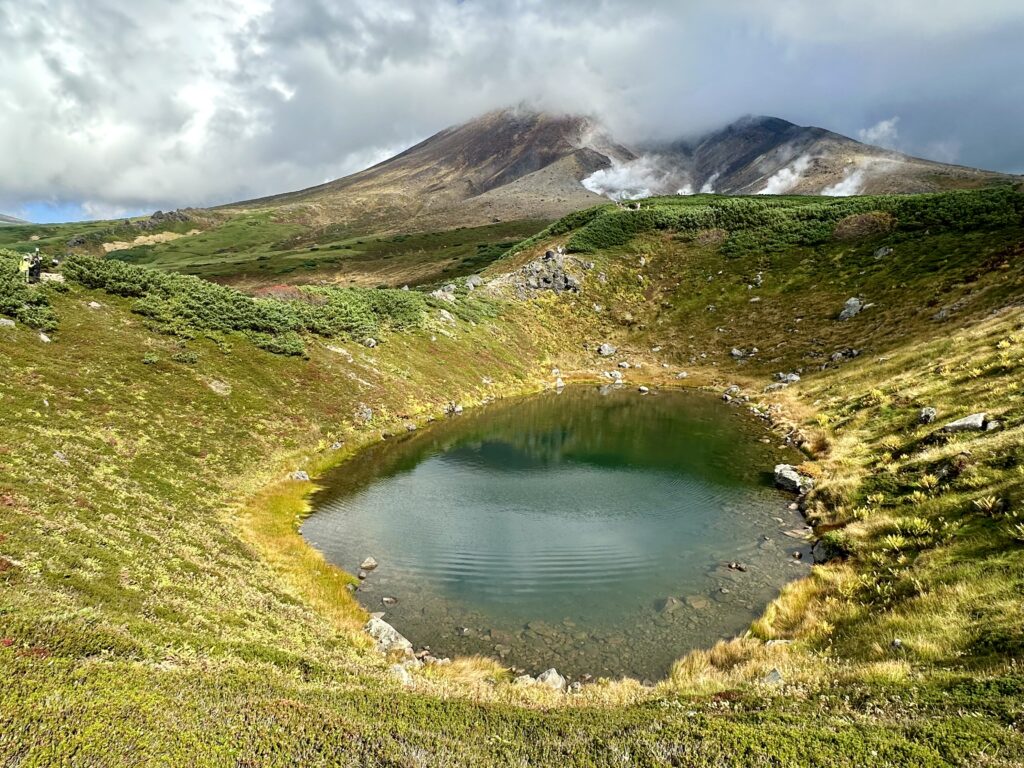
x=149, y=104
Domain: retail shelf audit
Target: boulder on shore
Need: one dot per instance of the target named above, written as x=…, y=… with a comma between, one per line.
x=551, y=679
x=787, y=478
x=389, y=639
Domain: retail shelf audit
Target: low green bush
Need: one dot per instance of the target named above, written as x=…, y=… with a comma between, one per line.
x=187, y=306
x=767, y=224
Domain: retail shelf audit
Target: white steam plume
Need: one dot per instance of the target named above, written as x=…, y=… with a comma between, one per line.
x=708, y=187
x=851, y=184
x=786, y=178
x=634, y=179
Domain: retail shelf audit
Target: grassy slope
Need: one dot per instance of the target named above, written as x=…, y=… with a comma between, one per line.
x=157, y=603
x=268, y=248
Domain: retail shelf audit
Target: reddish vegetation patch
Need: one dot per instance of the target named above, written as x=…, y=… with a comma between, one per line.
x=727, y=696
x=7, y=642
x=286, y=292
x=711, y=236
x=864, y=225
x=5, y=565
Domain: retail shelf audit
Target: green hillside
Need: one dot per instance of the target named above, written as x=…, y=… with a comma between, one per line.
x=159, y=607
x=269, y=248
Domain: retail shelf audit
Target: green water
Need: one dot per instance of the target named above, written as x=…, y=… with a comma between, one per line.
x=588, y=530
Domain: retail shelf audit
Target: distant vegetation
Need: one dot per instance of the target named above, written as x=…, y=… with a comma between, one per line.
x=187, y=306
x=774, y=224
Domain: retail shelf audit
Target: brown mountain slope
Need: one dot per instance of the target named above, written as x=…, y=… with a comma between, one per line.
x=766, y=155
x=454, y=177
x=516, y=164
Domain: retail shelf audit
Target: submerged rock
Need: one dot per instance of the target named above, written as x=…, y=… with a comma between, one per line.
x=669, y=604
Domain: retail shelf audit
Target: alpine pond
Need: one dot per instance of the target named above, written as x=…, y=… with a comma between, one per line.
x=597, y=531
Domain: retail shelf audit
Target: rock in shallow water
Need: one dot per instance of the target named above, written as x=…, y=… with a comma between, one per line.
x=787, y=478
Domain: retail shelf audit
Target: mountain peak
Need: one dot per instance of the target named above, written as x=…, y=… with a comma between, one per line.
x=522, y=163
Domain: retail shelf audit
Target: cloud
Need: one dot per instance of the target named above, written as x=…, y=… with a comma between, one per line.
x=884, y=133
x=155, y=105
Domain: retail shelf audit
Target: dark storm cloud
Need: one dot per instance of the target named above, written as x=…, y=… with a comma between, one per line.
x=124, y=106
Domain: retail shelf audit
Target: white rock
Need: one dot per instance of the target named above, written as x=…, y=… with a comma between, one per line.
x=853, y=306
x=551, y=679
x=975, y=422
x=400, y=673
x=389, y=639
x=368, y=564
x=789, y=479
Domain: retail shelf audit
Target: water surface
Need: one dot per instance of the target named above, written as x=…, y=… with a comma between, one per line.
x=589, y=530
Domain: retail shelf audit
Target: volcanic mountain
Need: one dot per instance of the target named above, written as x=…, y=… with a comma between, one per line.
x=518, y=164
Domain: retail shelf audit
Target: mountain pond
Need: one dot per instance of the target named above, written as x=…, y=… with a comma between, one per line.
x=591, y=529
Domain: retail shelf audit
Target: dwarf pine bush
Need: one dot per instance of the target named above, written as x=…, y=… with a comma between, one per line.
x=767, y=224
x=187, y=306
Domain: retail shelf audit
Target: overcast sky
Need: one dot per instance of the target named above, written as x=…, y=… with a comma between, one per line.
x=114, y=107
